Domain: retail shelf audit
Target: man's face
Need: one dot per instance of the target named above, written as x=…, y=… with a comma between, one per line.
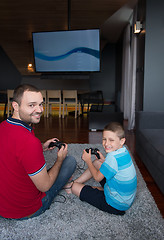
x=111, y=142
x=31, y=107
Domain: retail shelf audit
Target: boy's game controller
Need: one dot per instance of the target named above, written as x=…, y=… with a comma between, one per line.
x=56, y=144
x=93, y=151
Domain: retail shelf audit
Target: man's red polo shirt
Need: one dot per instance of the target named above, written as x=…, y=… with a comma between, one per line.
x=21, y=155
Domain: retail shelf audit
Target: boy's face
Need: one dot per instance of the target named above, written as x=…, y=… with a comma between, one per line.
x=111, y=142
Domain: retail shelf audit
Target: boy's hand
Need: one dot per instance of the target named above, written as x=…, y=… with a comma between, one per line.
x=102, y=158
x=86, y=156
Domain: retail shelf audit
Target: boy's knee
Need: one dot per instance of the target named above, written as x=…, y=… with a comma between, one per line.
x=76, y=188
x=97, y=163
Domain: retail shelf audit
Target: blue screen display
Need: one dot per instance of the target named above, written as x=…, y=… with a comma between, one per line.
x=67, y=51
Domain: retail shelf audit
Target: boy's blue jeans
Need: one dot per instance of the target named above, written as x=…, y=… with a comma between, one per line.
x=66, y=171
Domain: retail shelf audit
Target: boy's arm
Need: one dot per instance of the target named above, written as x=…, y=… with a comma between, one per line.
x=97, y=175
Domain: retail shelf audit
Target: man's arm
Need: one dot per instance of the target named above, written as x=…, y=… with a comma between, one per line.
x=44, y=180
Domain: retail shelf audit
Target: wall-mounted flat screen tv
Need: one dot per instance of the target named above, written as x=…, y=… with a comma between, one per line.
x=67, y=51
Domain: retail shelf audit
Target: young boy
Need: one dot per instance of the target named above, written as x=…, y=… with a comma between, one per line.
x=115, y=173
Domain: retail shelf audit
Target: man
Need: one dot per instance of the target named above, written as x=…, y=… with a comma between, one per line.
x=27, y=188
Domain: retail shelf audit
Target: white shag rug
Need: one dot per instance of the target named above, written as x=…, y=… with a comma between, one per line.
x=76, y=220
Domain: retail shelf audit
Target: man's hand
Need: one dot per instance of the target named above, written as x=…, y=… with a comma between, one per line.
x=62, y=153
x=46, y=144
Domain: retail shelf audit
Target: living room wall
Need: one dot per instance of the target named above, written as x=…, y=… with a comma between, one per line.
x=10, y=77
x=154, y=57
x=104, y=80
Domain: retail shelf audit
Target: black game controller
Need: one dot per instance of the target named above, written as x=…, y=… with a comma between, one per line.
x=56, y=144
x=93, y=151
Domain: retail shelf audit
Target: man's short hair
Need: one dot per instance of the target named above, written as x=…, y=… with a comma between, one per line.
x=18, y=92
x=115, y=127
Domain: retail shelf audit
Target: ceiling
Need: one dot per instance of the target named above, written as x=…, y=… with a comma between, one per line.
x=19, y=18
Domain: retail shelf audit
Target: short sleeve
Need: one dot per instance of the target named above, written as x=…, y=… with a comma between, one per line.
x=32, y=157
x=109, y=168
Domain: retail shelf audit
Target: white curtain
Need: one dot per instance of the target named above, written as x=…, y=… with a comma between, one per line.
x=132, y=89
x=128, y=90
x=126, y=65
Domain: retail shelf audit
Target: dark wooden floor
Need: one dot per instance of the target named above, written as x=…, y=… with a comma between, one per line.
x=71, y=130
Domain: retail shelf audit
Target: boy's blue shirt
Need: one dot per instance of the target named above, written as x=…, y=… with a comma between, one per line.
x=121, y=180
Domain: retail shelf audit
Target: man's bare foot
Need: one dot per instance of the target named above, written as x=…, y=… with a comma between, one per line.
x=68, y=187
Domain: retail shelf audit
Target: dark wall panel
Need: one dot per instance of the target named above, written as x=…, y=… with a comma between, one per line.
x=10, y=77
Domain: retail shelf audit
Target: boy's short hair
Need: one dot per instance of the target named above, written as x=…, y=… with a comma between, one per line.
x=115, y=127
x=18, y=92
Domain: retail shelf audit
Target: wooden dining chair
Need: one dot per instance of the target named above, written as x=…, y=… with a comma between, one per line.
x=70, y=97
x=44, y=94
x=10, y=93
x=53, y=97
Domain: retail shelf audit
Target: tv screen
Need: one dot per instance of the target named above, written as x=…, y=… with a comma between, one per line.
x=67, y=51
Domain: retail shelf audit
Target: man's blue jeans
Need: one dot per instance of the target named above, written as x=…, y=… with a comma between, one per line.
x=66, y=171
